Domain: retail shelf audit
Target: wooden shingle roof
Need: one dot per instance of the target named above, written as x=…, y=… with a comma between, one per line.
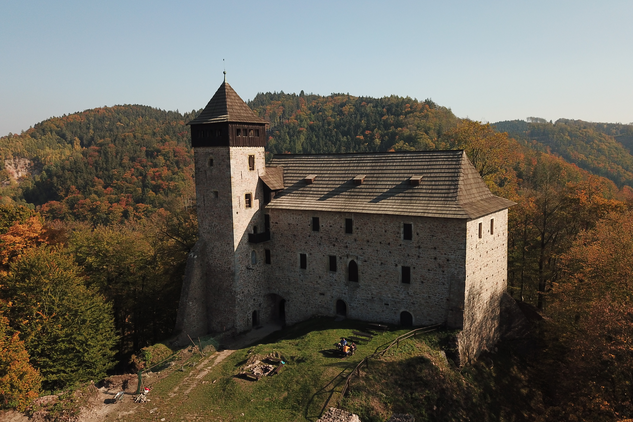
x=449, y=185
x=226, y=106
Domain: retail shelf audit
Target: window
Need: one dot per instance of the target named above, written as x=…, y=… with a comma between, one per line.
x=352, y=271
x=315, y=224
x=349, y=226
x=238, y=132
x=407, y=231
x=256, y=132
x=492, y=226
x=251, y=162
x=266, y=222
x=253, y=257
x=250, y=132
x=210, y=162
x=218, y=133
x=481, y=230
x=248, y=200
x=405, y=274
x=332, y=263
x=303, y=261
x=267, y=256
x=215, y=194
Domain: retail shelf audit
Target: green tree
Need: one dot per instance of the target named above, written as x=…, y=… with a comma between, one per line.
x=67, y=327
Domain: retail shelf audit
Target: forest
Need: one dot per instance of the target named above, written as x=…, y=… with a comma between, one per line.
x=97, y=216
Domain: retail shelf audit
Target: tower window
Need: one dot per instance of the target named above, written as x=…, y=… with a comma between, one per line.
x=238, y=132
x=248, y=200
x=253, y=257
x=250, y=132
x=315, y=224
x=349, y=226
x=405, y=273
x=267, y=255
x=332, y=259
x=481, y=230
x=352, y=271
x=256, y=132
x=492, y=226
x=303, y=261
x=210, y=162
x=251, y=162
x=407, y=231
x=215, y=194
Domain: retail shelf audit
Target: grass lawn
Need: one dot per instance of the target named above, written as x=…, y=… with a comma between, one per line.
x=413, y=377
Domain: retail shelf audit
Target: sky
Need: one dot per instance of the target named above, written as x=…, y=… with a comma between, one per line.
x=485, y=60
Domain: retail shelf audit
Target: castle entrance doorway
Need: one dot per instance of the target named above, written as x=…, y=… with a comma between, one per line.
x=341, y=308
x=275, y=308
x=406, y=319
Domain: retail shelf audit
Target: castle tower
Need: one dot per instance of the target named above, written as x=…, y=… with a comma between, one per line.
x=228, y=141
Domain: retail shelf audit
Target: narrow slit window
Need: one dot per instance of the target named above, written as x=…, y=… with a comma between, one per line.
x=352, y=271
x=210, y=162
x=266, y=222
x=492, y=226
x=407, y=231
x=251, y=162
x=481, y=230
x=248, y=200
x=215, y=194
x=349, y=226
x=315, y=224
x=332, y=259
x=303, y=261
x=406, y=274
x=267, y=255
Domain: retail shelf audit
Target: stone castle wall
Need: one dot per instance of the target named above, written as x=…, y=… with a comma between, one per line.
x=486, y=280
x=436, y=257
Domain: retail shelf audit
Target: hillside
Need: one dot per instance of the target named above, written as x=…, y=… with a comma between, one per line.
x=604, y=149
x=102, y=165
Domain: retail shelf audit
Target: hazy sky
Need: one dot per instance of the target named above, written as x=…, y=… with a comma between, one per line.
x=486, y=60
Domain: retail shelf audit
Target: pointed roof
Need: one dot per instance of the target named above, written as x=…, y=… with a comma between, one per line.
x=449, y=185
x=226, y=106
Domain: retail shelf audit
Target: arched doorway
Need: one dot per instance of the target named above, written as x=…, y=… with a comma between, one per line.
x=282, y=310
x=352, y=271
x=274, y=309
x=406, y=319
x=255, y=319
x=341, y=308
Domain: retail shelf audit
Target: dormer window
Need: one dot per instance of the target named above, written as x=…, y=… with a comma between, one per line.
x=415, y=180
x=358, y=180
x=310, y=179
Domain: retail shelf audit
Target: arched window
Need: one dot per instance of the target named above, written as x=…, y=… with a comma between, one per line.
x=352, y=271
x=341, y=308
x=406, y=319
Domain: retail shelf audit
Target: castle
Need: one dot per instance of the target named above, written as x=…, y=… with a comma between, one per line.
x=411, y=238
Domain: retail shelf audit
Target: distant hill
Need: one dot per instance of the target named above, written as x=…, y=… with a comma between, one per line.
x=605, y=149
x=101, y=165
x=343, y=123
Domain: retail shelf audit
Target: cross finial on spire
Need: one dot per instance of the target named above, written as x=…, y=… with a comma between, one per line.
x=224, y=75
x=224, y=64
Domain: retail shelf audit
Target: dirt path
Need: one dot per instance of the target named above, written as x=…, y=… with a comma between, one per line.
x=101, y=408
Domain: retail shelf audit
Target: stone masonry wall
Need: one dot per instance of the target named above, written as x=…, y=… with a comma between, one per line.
x=486, y=280
x=436, y=256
